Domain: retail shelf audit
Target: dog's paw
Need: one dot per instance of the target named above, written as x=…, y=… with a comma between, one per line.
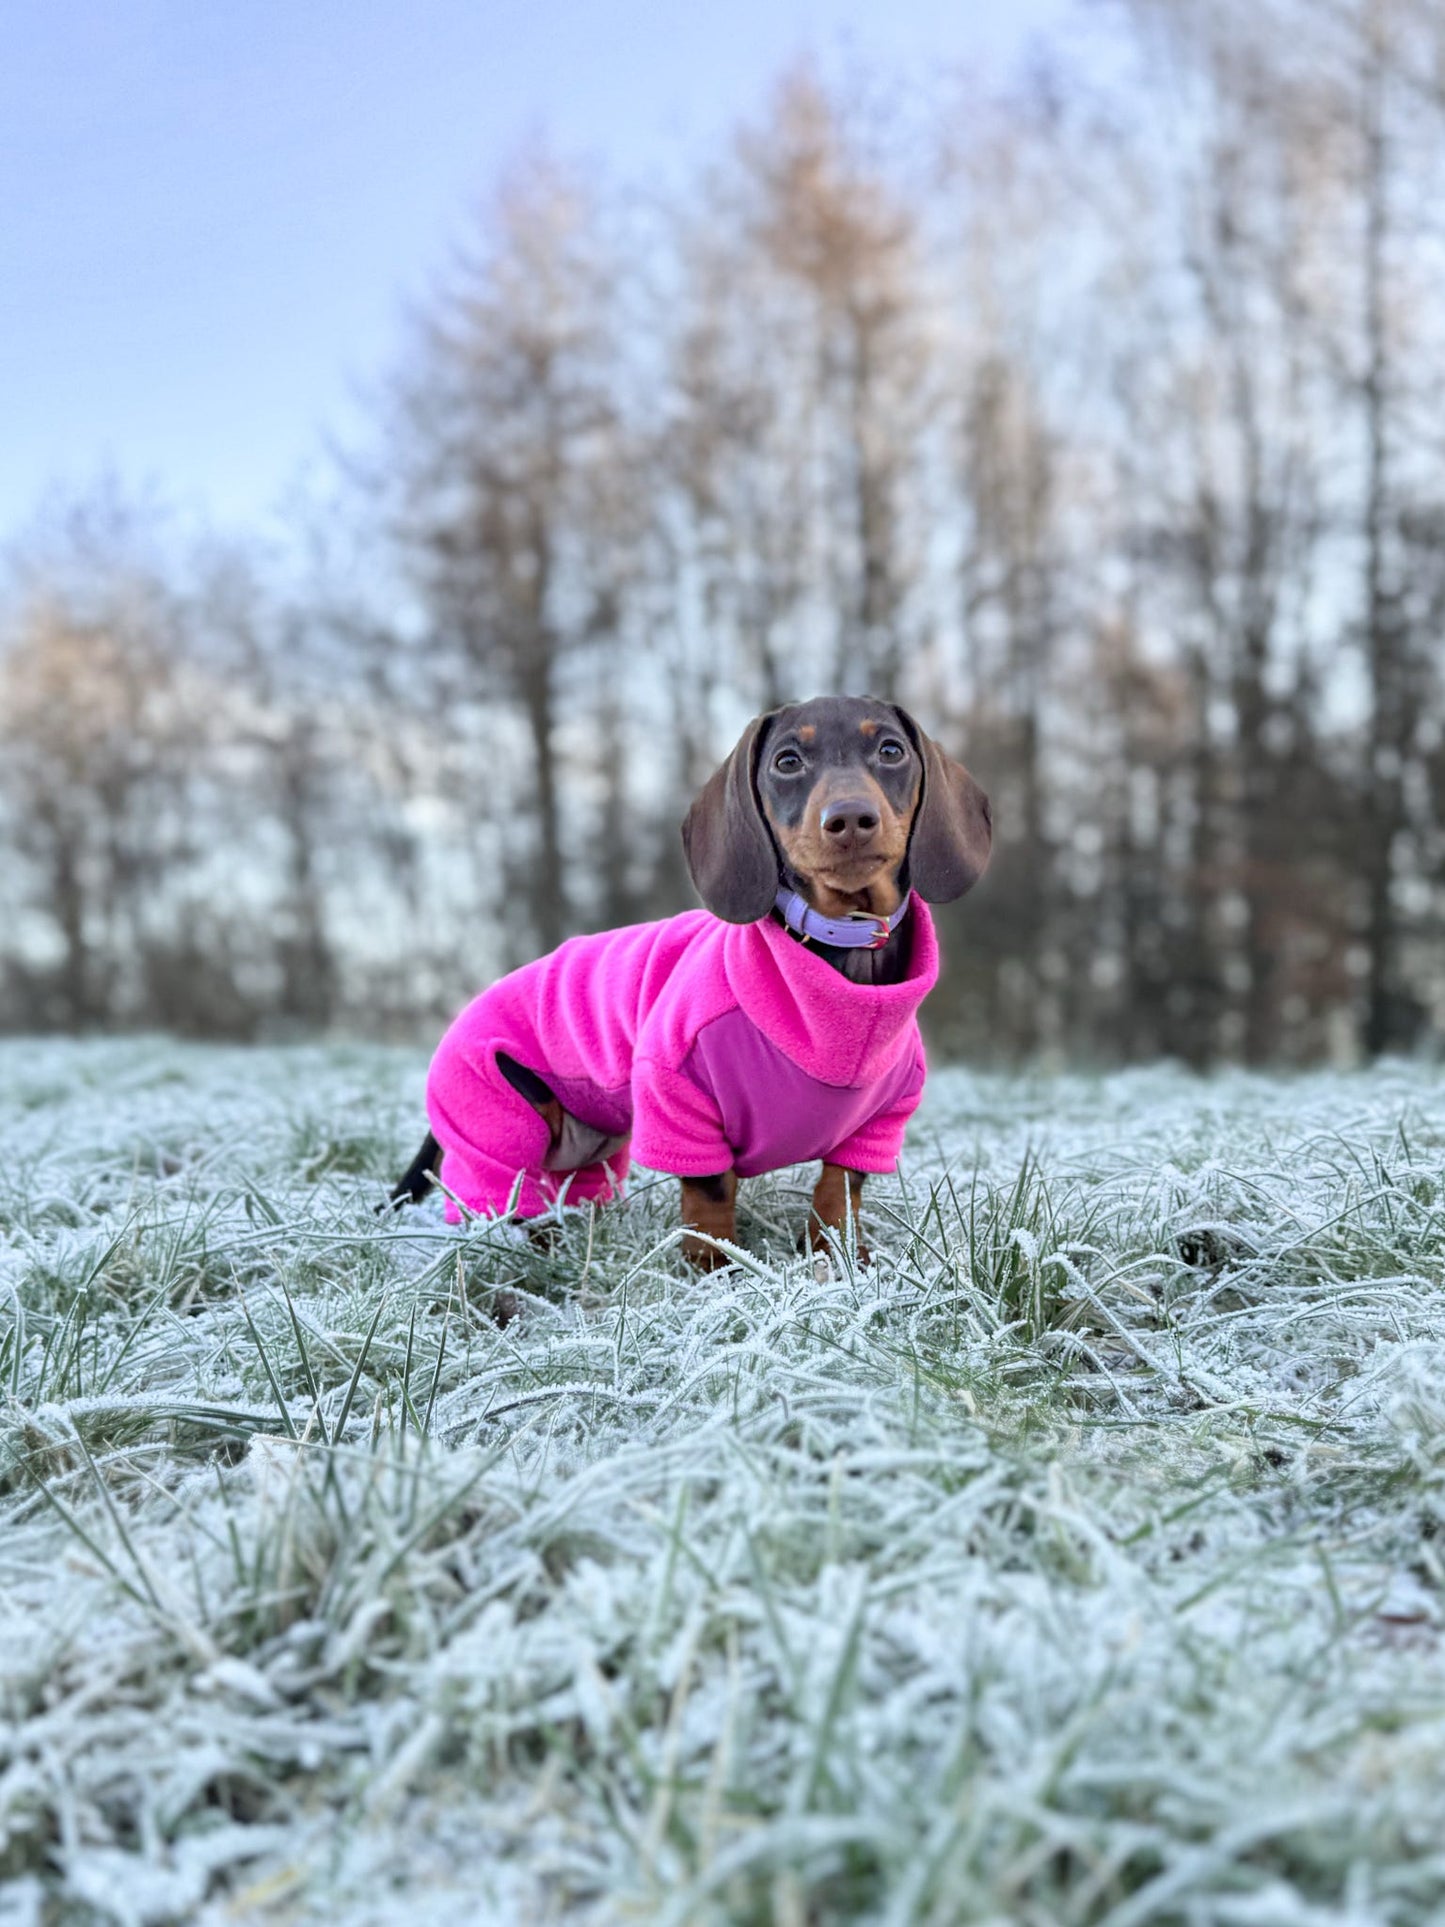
x=824, y=1240
x=703, y=1255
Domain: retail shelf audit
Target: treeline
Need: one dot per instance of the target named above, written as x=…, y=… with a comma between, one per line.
x=1098, y=421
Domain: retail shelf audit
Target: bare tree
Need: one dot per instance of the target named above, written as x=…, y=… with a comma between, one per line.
x=802, y=382
x=510, y=479
x=97, y=740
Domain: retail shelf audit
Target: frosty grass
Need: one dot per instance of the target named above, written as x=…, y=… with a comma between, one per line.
x=1079, y=1562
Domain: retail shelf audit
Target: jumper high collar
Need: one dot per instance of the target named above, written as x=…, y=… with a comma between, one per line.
x=857, y=931
x=840, y=1032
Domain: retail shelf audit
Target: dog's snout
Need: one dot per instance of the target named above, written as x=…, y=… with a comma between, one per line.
x=854, y=816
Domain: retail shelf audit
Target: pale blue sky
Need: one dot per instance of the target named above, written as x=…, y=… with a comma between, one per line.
x=212, y=211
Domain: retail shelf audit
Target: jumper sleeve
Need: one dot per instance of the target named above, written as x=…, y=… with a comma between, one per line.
x=875, y=1146
x=676, y=1127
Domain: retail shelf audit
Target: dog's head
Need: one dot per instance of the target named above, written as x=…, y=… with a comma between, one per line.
x=846, y=800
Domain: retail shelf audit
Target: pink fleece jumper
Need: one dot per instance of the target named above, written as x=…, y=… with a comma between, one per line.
x=717, y=1046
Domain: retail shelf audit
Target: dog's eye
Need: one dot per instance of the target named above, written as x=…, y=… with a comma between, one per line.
x=787, y=762
x=890, y=750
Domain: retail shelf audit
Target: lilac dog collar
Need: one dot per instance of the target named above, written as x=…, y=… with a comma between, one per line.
x=856, y=931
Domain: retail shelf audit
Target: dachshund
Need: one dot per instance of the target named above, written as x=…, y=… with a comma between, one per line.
x=775, y=1025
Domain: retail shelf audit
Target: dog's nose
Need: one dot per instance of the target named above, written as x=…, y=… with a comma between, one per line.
x=852, y=817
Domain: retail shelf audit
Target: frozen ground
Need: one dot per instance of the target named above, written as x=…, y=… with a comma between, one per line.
x=1081, y=1562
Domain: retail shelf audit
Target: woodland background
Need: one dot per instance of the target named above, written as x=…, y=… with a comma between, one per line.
x=1098, y=419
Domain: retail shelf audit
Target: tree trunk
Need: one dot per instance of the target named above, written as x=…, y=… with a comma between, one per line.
x=1384, y=744
x=68, y=907
x=548, y=892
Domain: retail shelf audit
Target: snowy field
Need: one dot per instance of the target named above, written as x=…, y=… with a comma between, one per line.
x=1080, y=1562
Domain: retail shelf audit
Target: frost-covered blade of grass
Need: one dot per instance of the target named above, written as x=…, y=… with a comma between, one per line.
x=1080, y=1562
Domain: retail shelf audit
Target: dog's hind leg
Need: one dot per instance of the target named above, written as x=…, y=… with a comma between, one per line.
x=505, y=1144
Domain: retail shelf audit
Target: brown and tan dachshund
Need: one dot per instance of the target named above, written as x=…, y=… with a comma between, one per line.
x=845, y=801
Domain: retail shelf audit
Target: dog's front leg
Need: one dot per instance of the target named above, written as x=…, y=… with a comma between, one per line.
x=708, y=1208
x=837, y=1196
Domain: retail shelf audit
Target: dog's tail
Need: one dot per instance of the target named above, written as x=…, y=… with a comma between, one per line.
x=416, y=1182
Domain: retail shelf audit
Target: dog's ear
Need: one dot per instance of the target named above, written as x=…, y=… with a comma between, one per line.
x=952, y=827
x=728, y=845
